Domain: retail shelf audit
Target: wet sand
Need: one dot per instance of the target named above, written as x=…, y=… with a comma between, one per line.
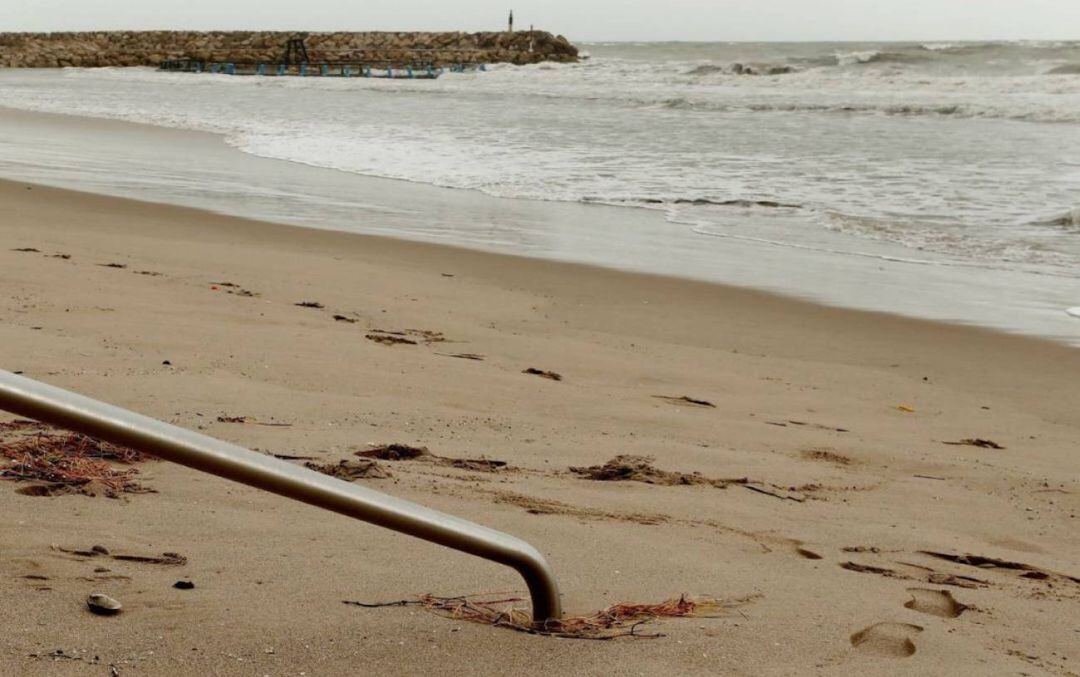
x=838, y=418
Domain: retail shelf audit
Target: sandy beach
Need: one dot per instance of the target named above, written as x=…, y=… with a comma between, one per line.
x=845, y=551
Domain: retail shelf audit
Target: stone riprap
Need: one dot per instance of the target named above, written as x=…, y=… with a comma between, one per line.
x=151, y=48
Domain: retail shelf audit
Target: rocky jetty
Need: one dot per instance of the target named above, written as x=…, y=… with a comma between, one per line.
x=150, y=48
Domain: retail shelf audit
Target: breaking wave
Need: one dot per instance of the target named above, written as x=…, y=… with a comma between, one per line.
x=740, y=68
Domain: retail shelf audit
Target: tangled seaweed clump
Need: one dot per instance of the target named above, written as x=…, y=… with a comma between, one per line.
x=617, y=620
x=627, y=468
x=65, y=462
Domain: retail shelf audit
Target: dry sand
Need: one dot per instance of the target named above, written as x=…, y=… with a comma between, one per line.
x=827, y=563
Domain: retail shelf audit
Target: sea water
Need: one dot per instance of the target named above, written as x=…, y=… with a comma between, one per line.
x=963, y=158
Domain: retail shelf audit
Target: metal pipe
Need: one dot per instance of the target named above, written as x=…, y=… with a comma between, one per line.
x=66, y=409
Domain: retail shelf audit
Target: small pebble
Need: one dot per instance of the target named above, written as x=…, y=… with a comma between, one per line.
x=183, y=585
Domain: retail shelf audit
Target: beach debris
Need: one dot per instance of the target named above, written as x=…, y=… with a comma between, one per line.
x=474, y=464
x=233, y=288
x=310, y=304
x=618, y=620
x=907, y=409
x=625, y=468
x=28, y=250
x=868, y=569
x=184, y=585
x=58, y=255
x=148, y=273
x=119, y=266
x=166, y=363
x=819, y=426
x=351, y=469
x=939, y=578
x=66, y=462
x=21, y=424
x=171, y=559
x=807, y=553
x=686, y=400
x=251, y=421
x=826, y=456
x=404, y=452
x=930, y=575
x=344, y=318
x=543, y=374
x=103, y=605
x=976, y=442
x=406, y=336
x=1030, y=571
x=464, y=356
x=165, y=558
x=775, y=491
x=390, y=340
x=291, y=457
x=394, y=452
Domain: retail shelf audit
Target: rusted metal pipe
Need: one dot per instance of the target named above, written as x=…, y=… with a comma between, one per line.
x=65, y=409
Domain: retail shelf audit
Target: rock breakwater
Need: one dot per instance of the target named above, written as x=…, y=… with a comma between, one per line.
x=151, y=48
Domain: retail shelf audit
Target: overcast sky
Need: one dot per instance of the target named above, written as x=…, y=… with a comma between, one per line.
x=580, y=20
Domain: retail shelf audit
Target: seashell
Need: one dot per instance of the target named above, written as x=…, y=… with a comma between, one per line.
x=103, y=604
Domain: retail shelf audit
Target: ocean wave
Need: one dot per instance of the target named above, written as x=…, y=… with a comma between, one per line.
x=1070, y=221
x=739, y=68
x=696, y=201
x=1067, y=69
x=876, y=56
x=956, y=110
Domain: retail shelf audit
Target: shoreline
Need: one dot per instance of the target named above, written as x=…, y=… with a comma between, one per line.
x=806, y=401
x=150, y=166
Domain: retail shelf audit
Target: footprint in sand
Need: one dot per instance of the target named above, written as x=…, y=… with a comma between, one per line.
x=887, y=639
x=935, y=602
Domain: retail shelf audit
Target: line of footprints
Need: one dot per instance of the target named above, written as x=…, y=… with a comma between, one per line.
x=897, y=639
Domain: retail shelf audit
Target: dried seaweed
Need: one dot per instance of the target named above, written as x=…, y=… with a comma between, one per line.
x=983, y=562
x=686, y=400
x=550, y=375
x=465, y=356
x=252, y=421
x=404, y=452
x=976, y=442
x=310, y=304
x=389, y=340
x=394, y=452
x=406, y=336
x=618, y=620
x=640, y=469
x=172, y=559
x=351, y=469
x=66, y=462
